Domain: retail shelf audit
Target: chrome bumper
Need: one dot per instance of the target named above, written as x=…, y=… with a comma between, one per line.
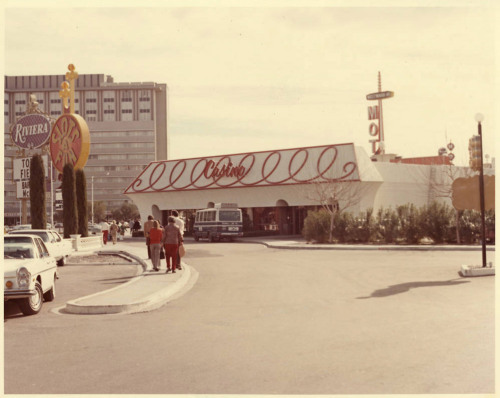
x=15, y=294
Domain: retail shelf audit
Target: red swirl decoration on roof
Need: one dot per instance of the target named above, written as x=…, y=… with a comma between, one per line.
x=270, y=168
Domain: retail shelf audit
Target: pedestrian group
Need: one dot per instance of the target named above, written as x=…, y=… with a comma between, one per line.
x=162, y=242
x=165, y=242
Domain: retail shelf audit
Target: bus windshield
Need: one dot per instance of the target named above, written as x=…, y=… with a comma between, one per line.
x=229, y=215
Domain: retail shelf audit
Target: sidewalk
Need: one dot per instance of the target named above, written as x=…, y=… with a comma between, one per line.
x=147, y=291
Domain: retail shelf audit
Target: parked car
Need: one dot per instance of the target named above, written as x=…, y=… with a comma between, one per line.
x=21, y=226
x=58, y=247
x=95, y=229
x=30, y=272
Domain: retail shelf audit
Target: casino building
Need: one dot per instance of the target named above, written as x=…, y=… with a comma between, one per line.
x=276, y=188
x=127, y=123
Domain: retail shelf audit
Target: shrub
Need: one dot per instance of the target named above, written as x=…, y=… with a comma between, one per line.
x=409, y=228
x=436, y=221
x=362, y=228
x=387, y=224
x=37, y=193
x=407, y=224
x=470, y=226
x=317, y=226
x=342, y=227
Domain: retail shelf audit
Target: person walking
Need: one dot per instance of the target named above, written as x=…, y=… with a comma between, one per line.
x=180, y=223
x=136, y=225
x=171, y=240
x=147, y=226
x=105, y=231
x=113, y=230
x=155, y=243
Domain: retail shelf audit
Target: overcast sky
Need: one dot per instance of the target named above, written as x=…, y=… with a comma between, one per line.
x=261, y=78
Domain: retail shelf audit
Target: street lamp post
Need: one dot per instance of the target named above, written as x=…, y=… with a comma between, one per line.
x=479, y=119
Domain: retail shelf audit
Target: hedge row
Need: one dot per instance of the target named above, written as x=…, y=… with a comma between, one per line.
x=405, y=224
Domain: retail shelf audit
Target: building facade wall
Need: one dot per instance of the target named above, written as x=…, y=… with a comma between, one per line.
x=163, y=186
x=127, y=123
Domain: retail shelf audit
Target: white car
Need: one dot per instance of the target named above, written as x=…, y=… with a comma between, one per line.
x=58, y=247
x=30, y=272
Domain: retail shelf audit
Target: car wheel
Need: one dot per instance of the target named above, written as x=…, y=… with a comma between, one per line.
x=51, y=294
x=60, y=263
x=32, y=305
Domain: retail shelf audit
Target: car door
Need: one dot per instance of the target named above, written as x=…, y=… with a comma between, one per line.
x=56, y=244
x=47, y=264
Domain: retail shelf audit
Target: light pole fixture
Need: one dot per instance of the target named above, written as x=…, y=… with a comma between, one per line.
x=479, y=119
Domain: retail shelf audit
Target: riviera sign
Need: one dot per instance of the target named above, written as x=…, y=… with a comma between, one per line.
x=31, y=131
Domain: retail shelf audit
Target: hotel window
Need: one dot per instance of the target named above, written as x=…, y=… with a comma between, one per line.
x=6, y=109
x=91, y=106
x=144, y=105
x=55, y=104
x=126, y=105
x=109, y=105
x=20, y=104
x=77, y=102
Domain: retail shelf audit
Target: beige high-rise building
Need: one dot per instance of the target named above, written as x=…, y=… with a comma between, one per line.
x=127, y=123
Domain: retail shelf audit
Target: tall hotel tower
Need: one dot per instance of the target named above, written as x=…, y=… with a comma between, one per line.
x=127, y=123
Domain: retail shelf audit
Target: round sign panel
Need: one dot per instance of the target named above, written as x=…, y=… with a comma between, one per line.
x=31, y=131
x=69, y=142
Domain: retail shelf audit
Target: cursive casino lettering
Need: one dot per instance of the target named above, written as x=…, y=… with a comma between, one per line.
x=227, y=170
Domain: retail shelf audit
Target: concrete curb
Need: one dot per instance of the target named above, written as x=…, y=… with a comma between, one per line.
x=304, y=246
x=148, y=303
x=162, y=296
x=477, y=270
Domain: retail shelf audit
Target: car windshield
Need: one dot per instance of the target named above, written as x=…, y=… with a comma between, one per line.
x=229, y=215
x=42, y=234
x=18, y=250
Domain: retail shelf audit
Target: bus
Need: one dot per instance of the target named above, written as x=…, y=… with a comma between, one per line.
x=224, y=220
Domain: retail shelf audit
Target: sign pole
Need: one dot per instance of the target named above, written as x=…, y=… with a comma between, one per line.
x=481, y=195
x=381, y=121
x=24, y=203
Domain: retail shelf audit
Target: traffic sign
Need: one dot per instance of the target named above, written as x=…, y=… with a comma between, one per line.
x=380, y=95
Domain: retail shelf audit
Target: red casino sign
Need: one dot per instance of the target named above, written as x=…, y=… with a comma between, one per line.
x=69, y=142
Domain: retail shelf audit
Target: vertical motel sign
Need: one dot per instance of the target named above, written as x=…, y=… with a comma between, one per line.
x=375, y=113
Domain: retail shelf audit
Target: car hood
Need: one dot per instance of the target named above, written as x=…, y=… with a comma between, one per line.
x=11, y=265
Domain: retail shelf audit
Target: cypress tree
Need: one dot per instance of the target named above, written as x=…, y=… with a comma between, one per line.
x=37, y=193
x=81, y=200
x=70, y=215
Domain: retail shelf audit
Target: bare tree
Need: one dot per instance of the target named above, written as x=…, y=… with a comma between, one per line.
x=336, y=196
